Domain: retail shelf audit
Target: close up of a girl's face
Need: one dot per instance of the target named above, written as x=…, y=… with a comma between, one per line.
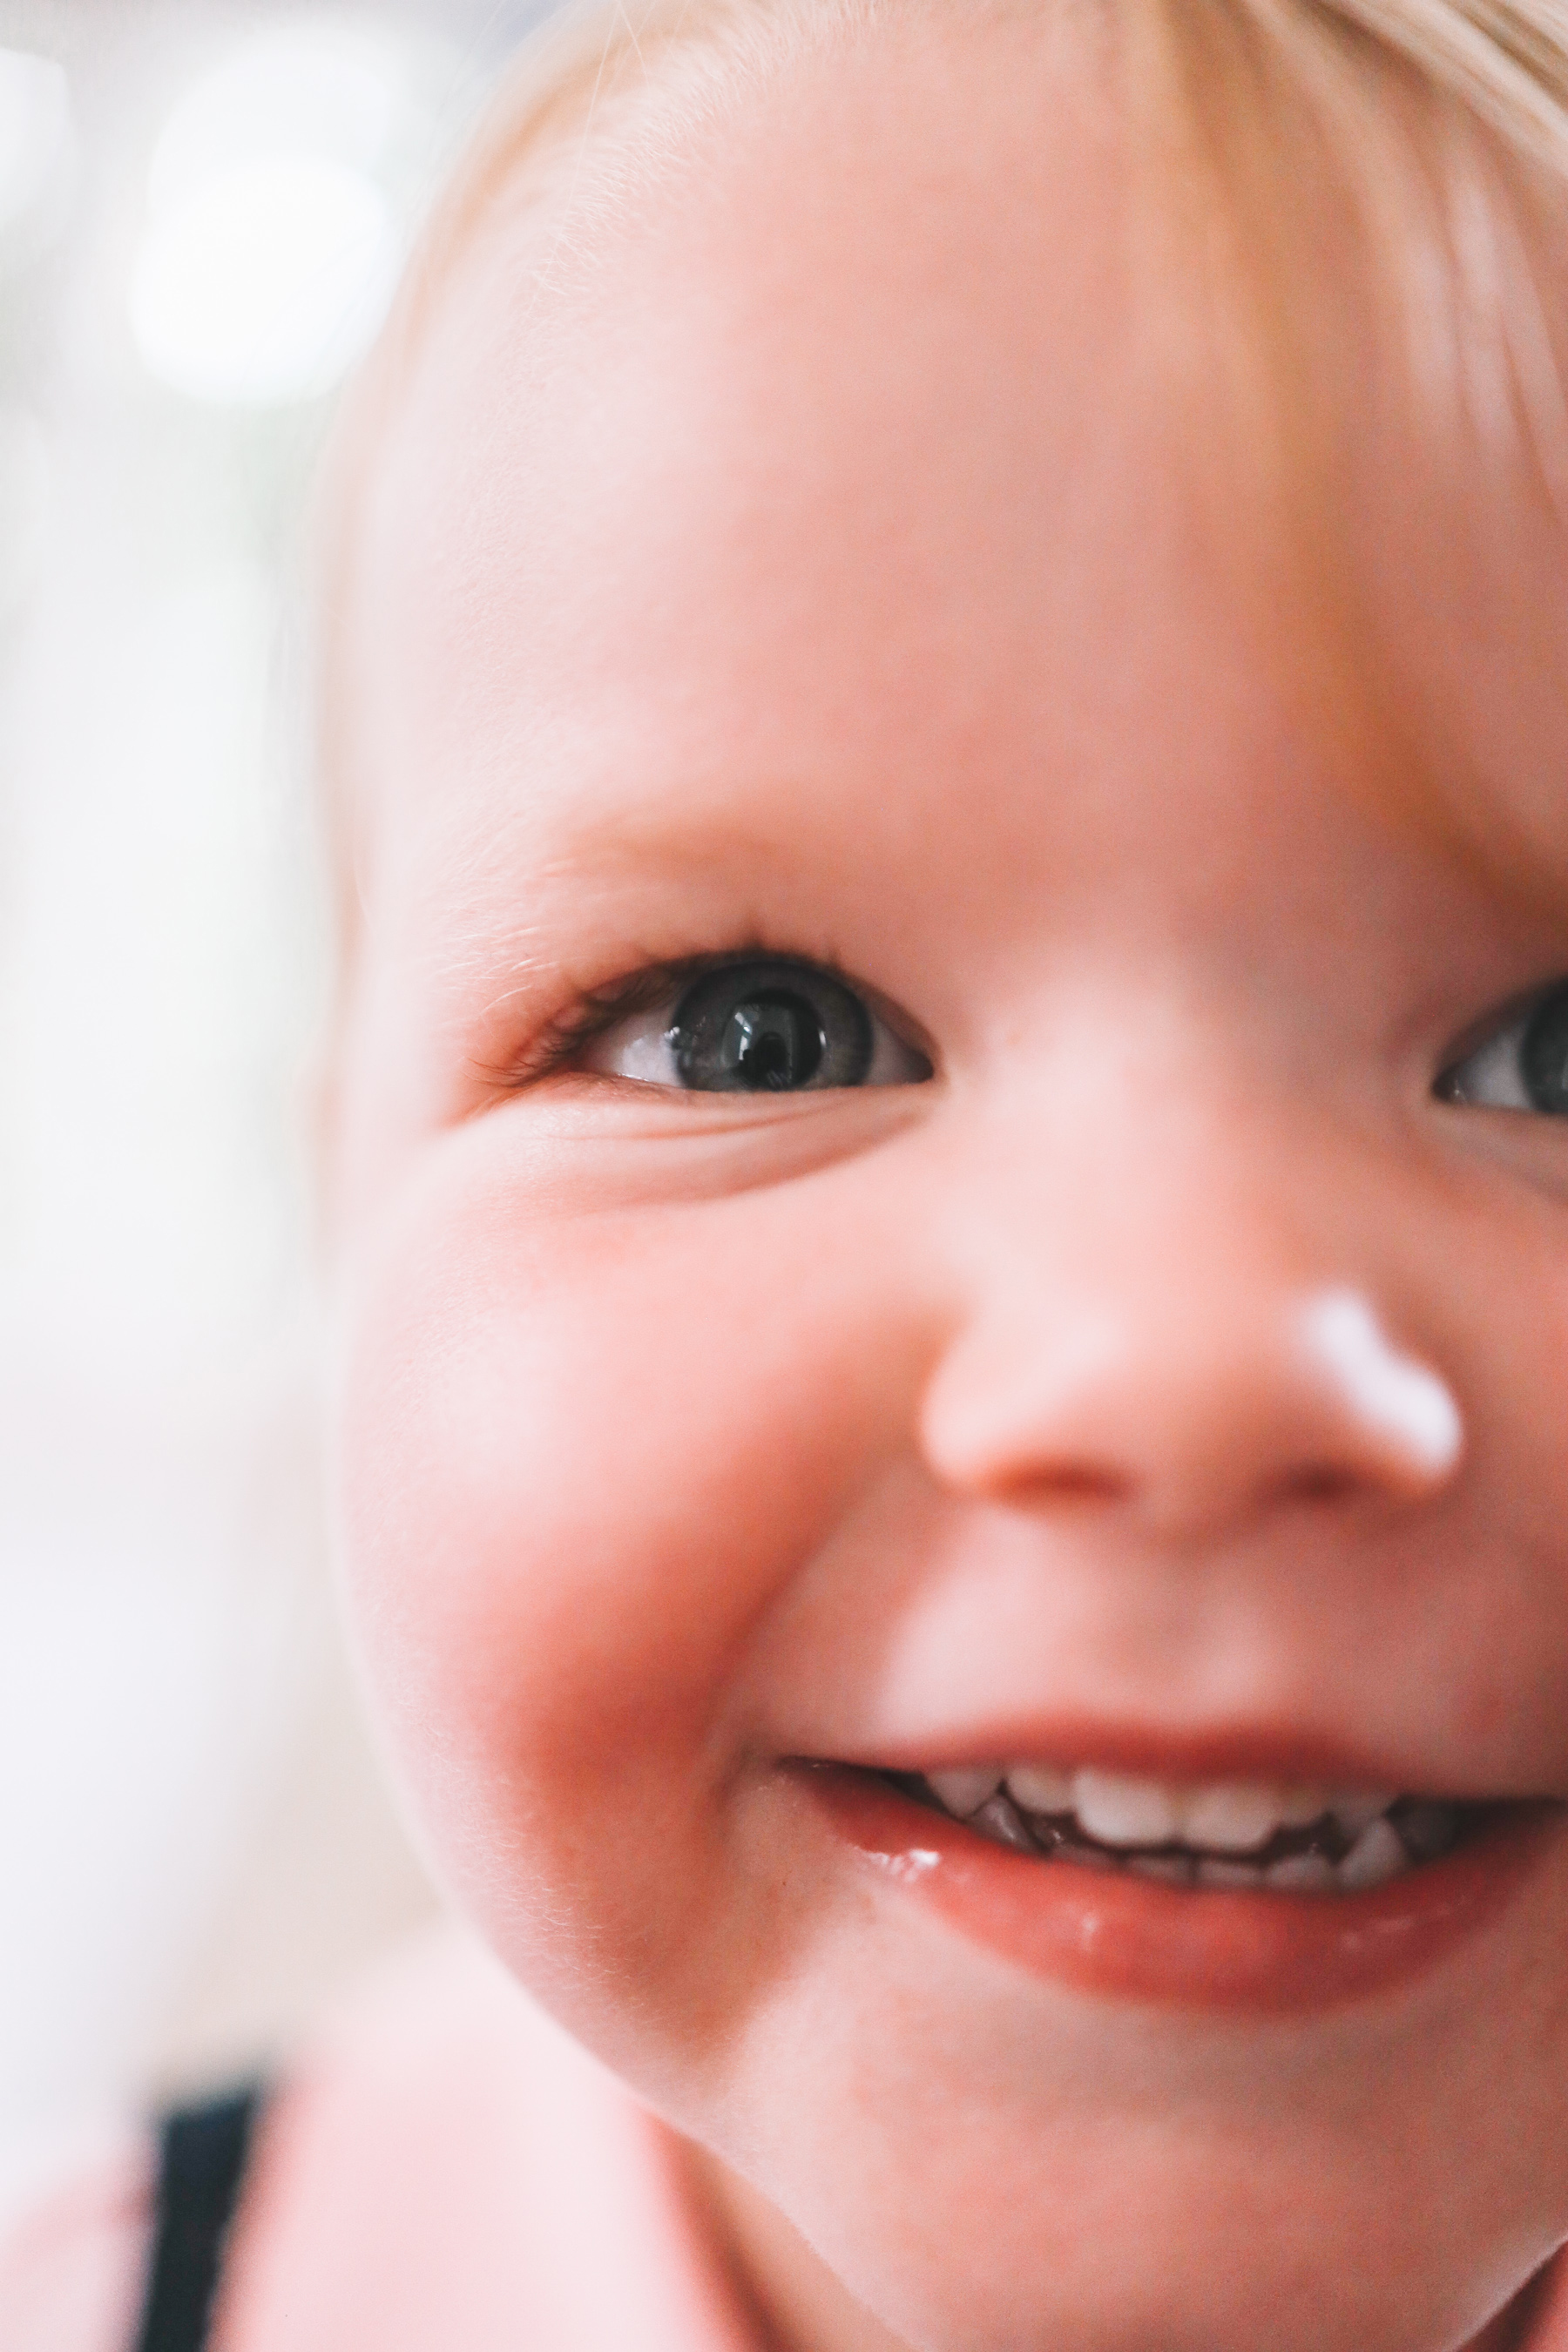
x=934, y=1175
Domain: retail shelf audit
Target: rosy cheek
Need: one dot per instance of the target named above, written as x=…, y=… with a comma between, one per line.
x=581, y=1455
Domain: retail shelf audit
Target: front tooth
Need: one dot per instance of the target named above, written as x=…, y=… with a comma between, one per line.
x=1310, y=1874
x=1231, y=1816
x=1353, y=1809
x=1120, y=1811
x=1178, y=1868
x=1300, y=1806
x=1230, y=1874
x=1376, y=1854
x=965, y=1789
x=1039, y=1788
x=1091, y=1857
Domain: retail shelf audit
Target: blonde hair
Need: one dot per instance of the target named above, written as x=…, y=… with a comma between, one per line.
x=1442, y=123
x=614, y=76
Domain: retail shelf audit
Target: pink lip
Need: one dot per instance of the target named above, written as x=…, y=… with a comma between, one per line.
x=1139, y=1939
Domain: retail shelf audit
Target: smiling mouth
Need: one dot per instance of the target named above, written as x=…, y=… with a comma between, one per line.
x=1246, y=1835
x=1249, y=1895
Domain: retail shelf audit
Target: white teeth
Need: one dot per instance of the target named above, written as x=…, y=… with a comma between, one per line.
x=1230, y=1874
x=1353, y=1809
x=998, y=1820
x=1231, y=1817
x=1227, y=1823
x=1303, y=1873
x=1124, y=1811
x=964, y=1790
x=1180, y=1869
x=1091, y=1857
x=1376, y=1854
x=1039, y=1788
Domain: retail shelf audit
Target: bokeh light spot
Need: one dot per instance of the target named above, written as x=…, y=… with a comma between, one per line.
x=329, y=92
x=267, y=284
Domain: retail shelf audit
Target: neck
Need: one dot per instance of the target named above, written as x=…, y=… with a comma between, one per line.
x=797, y=2303
x=1535, y=2321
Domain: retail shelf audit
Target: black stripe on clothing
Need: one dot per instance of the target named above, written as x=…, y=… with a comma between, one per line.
x=202, y=2154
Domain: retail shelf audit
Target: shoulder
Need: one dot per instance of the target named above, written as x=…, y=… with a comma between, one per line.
x=442, y=2166
x=373, y=2178
x=448, y=2166
x=1546, y=2329
x=72, y=2269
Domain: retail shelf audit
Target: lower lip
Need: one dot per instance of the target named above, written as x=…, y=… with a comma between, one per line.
x=1141, y=1940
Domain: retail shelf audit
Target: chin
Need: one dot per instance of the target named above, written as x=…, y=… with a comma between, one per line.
x=1110, y=2258
x=1006, y=2173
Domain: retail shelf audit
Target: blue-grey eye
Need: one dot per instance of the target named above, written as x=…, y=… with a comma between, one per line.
x=1521, y=1065
x=761, y=1025
x=770, y=1028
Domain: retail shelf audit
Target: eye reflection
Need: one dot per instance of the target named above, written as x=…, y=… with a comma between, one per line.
x=1521, y=1065
x=759, y=1025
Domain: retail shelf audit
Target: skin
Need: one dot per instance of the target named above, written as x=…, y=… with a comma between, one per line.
x=830, y=565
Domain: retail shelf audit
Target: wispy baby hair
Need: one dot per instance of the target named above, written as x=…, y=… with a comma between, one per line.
x=1437, y=127
x=604, y=93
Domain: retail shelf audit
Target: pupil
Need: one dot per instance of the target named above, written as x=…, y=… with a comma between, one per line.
x=773, y=1041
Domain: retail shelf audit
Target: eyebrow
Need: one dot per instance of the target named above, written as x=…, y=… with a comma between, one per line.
x=539, y=850
x=508, y=898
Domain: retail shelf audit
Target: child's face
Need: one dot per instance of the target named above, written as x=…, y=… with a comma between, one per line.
x=820, y=573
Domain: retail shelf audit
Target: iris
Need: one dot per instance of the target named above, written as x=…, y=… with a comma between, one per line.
x=770, y=1028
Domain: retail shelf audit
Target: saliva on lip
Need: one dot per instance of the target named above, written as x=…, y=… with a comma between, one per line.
x=1302, y=1839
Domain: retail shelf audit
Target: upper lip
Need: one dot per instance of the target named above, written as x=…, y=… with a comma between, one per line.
x=1231, y=1752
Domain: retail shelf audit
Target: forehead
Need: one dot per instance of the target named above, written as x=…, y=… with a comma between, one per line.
x=834, y=451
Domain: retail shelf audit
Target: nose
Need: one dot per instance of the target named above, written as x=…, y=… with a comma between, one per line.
x=1196, y=1402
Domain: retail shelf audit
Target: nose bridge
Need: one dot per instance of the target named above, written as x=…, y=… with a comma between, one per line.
x=1197, y=1332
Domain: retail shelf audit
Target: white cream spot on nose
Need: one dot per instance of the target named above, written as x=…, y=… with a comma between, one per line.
x=1389, y=1392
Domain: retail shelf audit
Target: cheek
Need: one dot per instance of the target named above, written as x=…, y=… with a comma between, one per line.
x=581, y=1455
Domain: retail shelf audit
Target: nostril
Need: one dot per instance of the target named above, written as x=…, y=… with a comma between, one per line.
x=1082, y=1481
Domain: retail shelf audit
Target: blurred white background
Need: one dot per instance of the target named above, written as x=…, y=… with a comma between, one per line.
x=202, y=212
